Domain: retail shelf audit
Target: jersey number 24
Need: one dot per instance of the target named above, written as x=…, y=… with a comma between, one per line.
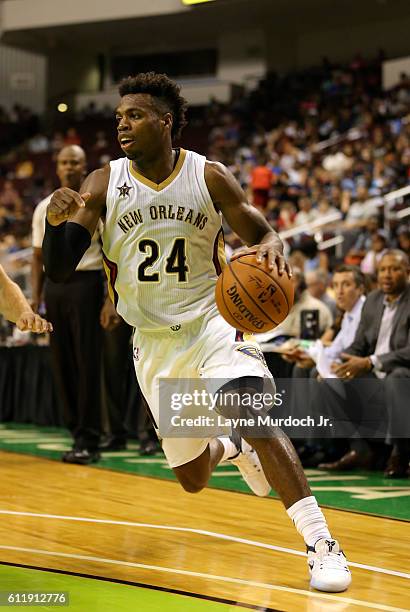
x=175, y=262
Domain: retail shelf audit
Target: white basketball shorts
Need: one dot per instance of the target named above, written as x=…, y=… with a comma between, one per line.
x=205, y=348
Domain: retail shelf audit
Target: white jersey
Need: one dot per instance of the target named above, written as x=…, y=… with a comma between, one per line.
x=163, y=244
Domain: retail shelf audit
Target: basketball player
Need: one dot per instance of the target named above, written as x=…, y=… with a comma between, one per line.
x=162, y=209
x=15, y=308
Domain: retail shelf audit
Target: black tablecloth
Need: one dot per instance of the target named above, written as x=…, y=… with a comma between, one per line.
x=27, y=393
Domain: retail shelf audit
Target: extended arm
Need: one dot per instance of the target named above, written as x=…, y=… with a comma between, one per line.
x=71, y=221
x=15, y=307
x=244, y=219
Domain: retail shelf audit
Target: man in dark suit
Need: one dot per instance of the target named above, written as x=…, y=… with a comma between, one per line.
x=381, y=349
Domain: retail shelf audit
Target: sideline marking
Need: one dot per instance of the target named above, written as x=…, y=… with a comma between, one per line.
x=139, y=585
x=171, y=570
x=212, y=534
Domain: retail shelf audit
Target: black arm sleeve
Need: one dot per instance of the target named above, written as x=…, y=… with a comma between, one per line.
x=63, y=247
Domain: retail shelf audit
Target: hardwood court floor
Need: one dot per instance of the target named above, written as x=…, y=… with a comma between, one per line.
x=218, y=544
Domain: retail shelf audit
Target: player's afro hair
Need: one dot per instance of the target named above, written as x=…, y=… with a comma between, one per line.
x=165, y=91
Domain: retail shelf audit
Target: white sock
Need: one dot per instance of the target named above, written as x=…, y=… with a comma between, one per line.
x=230, y=449
x=309, y=520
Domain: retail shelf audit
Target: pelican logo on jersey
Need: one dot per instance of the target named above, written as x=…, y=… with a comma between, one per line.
x=179, y=213
x=252, y=351
x=124, y=190
x=136, y=353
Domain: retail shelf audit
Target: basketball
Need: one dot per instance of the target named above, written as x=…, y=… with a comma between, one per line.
x=252, y=298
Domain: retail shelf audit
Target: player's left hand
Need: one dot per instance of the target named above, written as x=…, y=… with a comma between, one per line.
x=270, y=250
x=29, y=321
x=352, y=366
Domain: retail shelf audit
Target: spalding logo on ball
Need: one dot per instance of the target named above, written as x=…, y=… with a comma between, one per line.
x=252, y=298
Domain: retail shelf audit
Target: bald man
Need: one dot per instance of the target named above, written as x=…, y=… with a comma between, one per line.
x=74, y=310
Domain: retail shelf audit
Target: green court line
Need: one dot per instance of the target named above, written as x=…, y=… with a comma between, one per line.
x=366, y=492
x=88, y=594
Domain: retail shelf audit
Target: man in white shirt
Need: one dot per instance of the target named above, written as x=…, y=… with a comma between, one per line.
x=348, y=286
x=306, y=213
x=362, y=209
x=74, y=310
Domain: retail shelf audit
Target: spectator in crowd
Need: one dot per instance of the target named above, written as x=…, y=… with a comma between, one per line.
x=287, y=214
x=38, y=144
x=306, y=214
x=338, y=162
x=403, y=239
x=316, y=284
x=363, y=243
x=308, y=318
x=24, y=169
x=261, y=182
x=72, y=137
x=360, y=210
x=381, y=349
x=10, y=201
x=325, y=207
x=372, y=258
x=57, y=142
x=308, y=256
x=101, y=142
x=89, y=111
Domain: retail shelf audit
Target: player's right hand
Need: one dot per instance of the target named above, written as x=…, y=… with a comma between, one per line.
x=64, y=202
x=109, y=318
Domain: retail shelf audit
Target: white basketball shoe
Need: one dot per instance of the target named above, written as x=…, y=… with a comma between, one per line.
x=247, y=462
x=328, y=567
